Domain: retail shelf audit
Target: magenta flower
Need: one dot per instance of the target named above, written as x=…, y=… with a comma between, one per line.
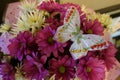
x=108, y=55
x=33, y=67
x=4, y=42
x=7, y=71
x=50, y=6
x=63, y=68
x=54, y=23
x=91, y=69
x=22, y=45
x=47, y=45
x=92, y=27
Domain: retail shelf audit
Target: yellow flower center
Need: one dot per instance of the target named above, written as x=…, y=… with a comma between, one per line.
x=90, y=31
x=62, y=69
x=50, y=40
x=89, y=69
x=21, y=44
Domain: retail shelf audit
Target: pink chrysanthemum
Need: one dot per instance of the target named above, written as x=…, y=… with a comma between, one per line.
x=108, y=55
x=63, y=68
x=91, y=69
x=33, y=67
x=54, y=23
x=50, y=6
x=22, y=45
x=92, y=27
x=7, y=71
x=47, y=45
x=4, y=42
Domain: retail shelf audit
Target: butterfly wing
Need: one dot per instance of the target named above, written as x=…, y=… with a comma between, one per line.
x=89, y=42
x=78, y=50
x=72, y=16
x=94, y=42
x=70, y=27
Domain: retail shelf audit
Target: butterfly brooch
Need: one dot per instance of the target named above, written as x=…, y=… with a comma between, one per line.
x=82, y=43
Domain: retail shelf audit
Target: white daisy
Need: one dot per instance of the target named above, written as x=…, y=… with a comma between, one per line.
x=28, y=5
x=4, y=28
x=32, y=21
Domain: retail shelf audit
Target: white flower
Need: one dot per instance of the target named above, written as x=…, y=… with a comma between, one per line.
x=29, y=5
x=32, y=21
x=19, y=73
x=4, y=28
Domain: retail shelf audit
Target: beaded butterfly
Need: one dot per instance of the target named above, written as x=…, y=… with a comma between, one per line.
x=82, y=43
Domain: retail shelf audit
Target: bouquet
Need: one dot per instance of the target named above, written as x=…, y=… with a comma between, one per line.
x=52, y=41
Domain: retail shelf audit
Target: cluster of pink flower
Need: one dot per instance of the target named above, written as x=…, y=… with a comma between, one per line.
x=42, y=56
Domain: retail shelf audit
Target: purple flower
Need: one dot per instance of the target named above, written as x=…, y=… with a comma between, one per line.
x=7, y=71
x=91, y=69
x=54, y=23
x=63, y=68
x=47, y=45
x=33, y=67
x=50, y=6
x=4, y=42
x=22, y=45
x=92, y=27
x=108, y=55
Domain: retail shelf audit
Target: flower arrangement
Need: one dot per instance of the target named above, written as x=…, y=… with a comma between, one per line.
x=52, y=41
